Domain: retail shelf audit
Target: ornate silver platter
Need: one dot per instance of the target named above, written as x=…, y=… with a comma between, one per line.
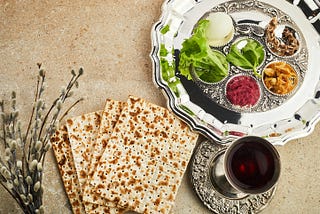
x=204, y=107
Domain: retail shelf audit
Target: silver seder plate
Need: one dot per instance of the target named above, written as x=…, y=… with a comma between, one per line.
x=205, y=108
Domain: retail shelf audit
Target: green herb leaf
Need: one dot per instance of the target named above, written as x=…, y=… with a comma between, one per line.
x=248, y=57
x=163, y=51
x=168, y=70
x=165, y=29
x=196, y=54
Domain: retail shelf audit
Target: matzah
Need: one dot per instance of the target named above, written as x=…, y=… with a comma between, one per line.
x=145, y=158
x=82, y=131
x=109, y=118
x=62, y=151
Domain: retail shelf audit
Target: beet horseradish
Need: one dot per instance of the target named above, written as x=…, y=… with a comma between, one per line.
x=243, y=91
x=252, y=165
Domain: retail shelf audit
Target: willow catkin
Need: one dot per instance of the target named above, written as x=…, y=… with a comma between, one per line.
x=33, y=165
x=37, y=186
x=29, y=180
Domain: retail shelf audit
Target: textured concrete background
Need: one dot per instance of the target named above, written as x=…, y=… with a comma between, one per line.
x=111, y=41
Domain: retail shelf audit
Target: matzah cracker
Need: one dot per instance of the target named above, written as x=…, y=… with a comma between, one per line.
x=145, y=159
x=99, y=209
x=109, y=118
x=82, y=131
x=62, y=151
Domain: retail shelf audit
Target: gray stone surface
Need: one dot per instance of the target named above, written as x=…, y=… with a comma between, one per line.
x=111, y=41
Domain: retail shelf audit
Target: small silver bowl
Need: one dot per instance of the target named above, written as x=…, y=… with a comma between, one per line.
x=244, y=107
x=198, y=78
x=285, y=36
x=296, y=79
x=240, y=42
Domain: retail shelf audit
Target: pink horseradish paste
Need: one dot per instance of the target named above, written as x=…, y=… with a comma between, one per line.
x=243, y=91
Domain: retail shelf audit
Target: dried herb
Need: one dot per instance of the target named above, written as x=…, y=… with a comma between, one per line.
x=23, y=152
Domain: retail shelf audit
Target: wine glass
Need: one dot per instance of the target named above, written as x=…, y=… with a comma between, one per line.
x=249, y=165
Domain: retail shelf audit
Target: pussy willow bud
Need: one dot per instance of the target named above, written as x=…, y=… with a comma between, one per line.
x=41, y=73
x=13, y=103
x=11, y=128
x=13, y=145
x=16, y=182
x=19, y=164
x=81, y=71
x=40, y=113
x=19, y=141
x=8, y=151
x=39, y=167
x=23, y=197
x=9, y=185
x=56, y=113
x=39, y=104
x=44, y=106
x=6, y=174
x=33, y=165
x=41, y=209
x=63, y=91
x=59, y=104
x=38, y=146
x=30, y=197
x=13, y=94
x=15, y=114
x=37, y=186
x=29, y=180
x=47, y=147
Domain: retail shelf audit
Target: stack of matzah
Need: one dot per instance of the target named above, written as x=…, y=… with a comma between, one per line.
x=130, y=156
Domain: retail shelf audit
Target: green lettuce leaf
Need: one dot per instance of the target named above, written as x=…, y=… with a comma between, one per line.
x=196, y=54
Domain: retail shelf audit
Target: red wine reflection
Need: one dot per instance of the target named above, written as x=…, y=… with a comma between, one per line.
x=252, y=165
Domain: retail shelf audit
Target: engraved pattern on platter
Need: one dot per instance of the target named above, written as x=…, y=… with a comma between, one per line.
x=267, y=99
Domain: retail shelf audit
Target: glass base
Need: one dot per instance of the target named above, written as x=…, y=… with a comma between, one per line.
x=219, y=180
x=212, y=187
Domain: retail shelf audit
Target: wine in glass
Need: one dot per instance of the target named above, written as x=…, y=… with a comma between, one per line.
x=251, y=165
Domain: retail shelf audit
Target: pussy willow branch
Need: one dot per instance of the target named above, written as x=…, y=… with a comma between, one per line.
x=14, y=196
x=24, y=163
x=71, y=107
x=63, y=96
x=22, y=178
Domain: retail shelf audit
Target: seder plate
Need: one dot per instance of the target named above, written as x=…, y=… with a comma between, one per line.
x=204, y=106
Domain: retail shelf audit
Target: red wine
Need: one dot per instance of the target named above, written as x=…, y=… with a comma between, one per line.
x=252, y=165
